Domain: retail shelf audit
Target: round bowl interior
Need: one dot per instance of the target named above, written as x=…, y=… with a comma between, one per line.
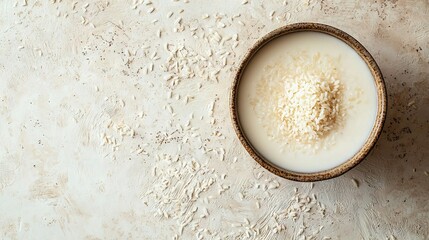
x=381, y=103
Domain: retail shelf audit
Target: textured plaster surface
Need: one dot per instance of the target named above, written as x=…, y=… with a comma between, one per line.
x=96, y=144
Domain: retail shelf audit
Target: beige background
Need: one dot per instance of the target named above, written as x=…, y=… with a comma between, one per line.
x=93, y=147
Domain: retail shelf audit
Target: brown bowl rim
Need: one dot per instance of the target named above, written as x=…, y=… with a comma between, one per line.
x=381, y=102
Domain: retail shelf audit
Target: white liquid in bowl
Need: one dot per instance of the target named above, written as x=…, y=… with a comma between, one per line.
x=356, y=124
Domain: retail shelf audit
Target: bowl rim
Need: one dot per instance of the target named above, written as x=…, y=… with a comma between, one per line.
x=381, y=102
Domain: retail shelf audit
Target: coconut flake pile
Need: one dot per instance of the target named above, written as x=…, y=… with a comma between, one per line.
x=300, y=99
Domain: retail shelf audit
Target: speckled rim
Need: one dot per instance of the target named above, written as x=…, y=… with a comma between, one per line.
x=381, y=94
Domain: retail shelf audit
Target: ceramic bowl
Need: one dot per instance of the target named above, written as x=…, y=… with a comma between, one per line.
x=376, y=130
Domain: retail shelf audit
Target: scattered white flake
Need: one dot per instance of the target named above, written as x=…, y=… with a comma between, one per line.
x=391, y=237
x=216, y=36
x=211, y=108
x=168, y=77
x=273, y=185
x=150, y=10
x=241, y=196
x=244, y=2
x=224, y=62
x=83, y=20
x=355, y=182
x=154, y=54
x=221, y=25
x=235, y=37
x=178, y=20
x=300, y=231
x=170, y=109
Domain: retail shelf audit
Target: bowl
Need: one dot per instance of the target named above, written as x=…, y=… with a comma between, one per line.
x=381, y=103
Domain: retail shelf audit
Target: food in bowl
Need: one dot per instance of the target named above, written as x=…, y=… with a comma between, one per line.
x=306, y=102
